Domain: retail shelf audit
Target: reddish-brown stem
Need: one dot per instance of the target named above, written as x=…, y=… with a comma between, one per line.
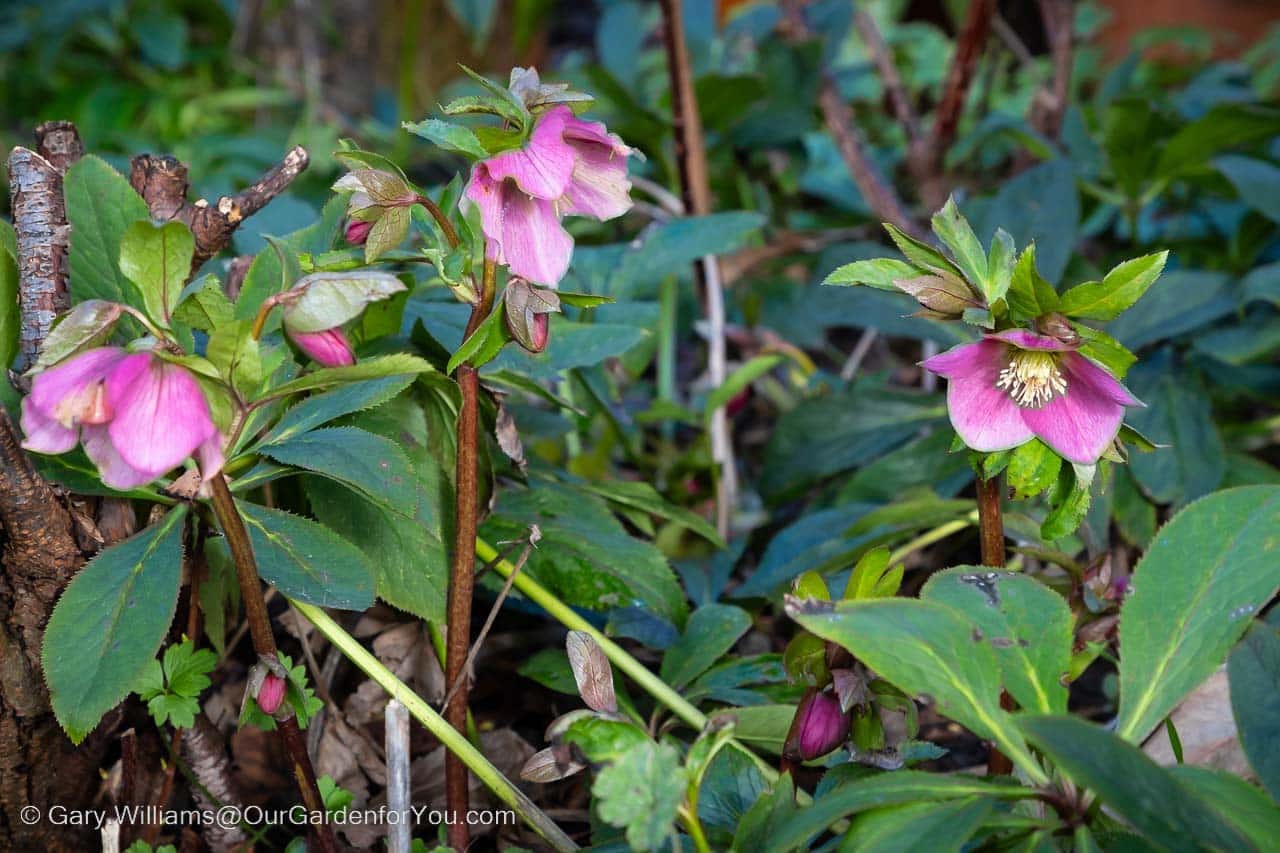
x=462, y=574
x=991, y=532
x=450, y=233
x=264, y=644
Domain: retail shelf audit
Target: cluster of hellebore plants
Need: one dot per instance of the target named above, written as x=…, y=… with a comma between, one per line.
x=175, y=375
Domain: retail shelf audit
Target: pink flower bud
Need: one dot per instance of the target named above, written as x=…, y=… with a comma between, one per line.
x=358, y=232
x=818, y=728
x=329, y=348
x=539, y=332
x=271, y=693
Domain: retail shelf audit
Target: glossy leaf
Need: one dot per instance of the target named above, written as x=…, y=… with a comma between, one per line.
x=1254, y=669
x=1027, y=625
x=306, y=560
x=712, y=630
x=100, y=208
x=157, y=259
x=368, y=463
x=1194, y=593
x=1124, y=285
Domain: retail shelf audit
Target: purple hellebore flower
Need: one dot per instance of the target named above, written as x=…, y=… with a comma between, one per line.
x=568, y=167
x=329, y=348
x=357, y=233
x=1015, y=385
x=819, y=727
x=137, y=415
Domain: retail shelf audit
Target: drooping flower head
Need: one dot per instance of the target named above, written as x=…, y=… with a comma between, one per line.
x=329, y=348
x=1015, y=385
x=567, y=167
x=819, y=726
x=137, y=415
x=318, y=307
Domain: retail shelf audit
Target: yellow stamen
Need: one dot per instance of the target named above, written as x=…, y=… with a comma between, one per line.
x=1032, y=378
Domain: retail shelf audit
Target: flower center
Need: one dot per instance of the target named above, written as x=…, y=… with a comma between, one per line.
x=1032, y=378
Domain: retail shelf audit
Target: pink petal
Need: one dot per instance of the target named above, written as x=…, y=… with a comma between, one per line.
x=959, y=362
x=1026, y=339
x=1082, y=422
x=209, y=457
x=1084, y=370
x=329, y=348
x=115, y=472
x=599, y=187
x=161, y=415
x=68, y=391
x=541, y=168
x=43, y=433
x=984, y=415
x=486, y=193
x=534, y=244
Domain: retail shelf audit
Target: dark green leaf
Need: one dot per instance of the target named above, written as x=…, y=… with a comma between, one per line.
x=954, y=230
x=1149, y=797
x=343, y=400
x=368, y=463
x=398, y=364
x=940, y=827
x=306, y=560
x=1254, y=669
x=1194, y=593
x=449, y=136
x=1027, y=625
x=110, y=622
x=712, y=630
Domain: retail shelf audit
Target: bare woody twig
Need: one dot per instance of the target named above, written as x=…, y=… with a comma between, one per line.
x=163, y=183
x=695, y=183
x=882, y=57
x=398, y=800
x=879, y=194
x=40, y=219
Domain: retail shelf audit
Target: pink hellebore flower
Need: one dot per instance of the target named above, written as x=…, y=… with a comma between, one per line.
x=357, y=233
x=329, y=348
x=568, y=167
x=1015, y=385
x=137, y=416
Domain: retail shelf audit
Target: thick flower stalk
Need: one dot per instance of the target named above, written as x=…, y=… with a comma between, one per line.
x=1016, y=385
x=137, y=415
x=567, y=167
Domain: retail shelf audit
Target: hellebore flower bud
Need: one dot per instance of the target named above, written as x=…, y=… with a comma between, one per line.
x=529, y=312
x=818, y=728
x=358, y=232
x=329, y=348
x=271, y=693
x=1059, y=328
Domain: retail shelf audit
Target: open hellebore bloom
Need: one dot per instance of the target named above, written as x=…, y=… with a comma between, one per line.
x=819, y=727
x=568, y=167
x=1015, y=385
x=137, y=415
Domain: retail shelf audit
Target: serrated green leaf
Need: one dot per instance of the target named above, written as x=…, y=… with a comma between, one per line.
x=1032, y=468
x=642, y=792
x=368, y=463
x=306, y=560
x=1124, y=285
x=1068, y=504
x=954, y=231
x=1194, y=593
x=321, y=408
x=1027, y=625
x=186, y=669
x=449, y=136
x=942, y=827
x=157, y=259
x=484, y=343
x=880, y=273
x=1106, y=350
x=86, y=325
x=398, y=364
x=235, y=354
x=1029, y=294
x=205, y=305
x=100, y=208
x=922, y=255
x=110, y=622
x=644, y=497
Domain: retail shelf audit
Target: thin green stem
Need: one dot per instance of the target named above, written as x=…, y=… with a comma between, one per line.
x=937, y=534
x=456, y=743
x=689, y=817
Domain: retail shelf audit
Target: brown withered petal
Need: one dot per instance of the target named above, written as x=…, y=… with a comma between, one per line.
x=939, y=294
x=591, y=671
x=551, y=764
x=850, y=687
x=1055, y=325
